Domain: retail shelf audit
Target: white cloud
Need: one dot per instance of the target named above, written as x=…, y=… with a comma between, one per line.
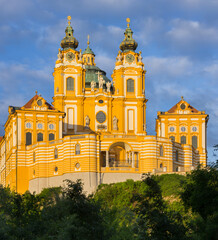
x=192, y=33
x=169, y=66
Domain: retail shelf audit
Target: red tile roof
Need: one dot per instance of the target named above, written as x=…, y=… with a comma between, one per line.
x=29, y=104
x=1, y=138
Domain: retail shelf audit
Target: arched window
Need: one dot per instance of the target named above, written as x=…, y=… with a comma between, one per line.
x=130, y=85
x=55, y=153
x=70, y=84
x=183, y=140
x=161, y=151
x=172, y=138
x=177, y=169
x=177, y=155
x=161, y=165
x=194, y=141
x=28, y=138
x=51, y=136
x=77, y=149
x=39, y=137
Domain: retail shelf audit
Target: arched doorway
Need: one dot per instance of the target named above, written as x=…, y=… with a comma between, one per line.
x=120, y=155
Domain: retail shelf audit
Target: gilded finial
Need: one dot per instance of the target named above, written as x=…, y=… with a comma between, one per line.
x=69, y=18
x=88, y=40
x=182, y=98
x=128, y=21
x=36, y=92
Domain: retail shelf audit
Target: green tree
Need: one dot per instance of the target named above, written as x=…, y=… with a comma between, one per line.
x=154, y=221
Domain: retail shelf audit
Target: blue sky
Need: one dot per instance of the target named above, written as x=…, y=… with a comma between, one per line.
x=178, y=40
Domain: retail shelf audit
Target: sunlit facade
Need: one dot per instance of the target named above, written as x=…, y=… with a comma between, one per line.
x=95, y=129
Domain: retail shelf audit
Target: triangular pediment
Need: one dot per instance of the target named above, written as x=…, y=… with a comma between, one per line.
x=38, y=103
x=183, y=107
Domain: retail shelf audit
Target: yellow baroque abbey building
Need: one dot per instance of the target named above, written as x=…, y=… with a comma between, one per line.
x=95, y=129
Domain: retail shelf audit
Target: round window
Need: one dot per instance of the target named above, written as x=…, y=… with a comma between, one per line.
x=182, y=106
x=51, y=126
x=101, y=117
x=28, y=125
x=194, y=129
x=39, y=102
x=39, y=126
x=100, y=101
x=77, y=165
x=183, y=129
x=172, y=129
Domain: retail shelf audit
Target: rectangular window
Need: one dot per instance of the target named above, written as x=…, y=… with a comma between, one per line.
x=70, y=118
x=70, y=84
x=130, y=120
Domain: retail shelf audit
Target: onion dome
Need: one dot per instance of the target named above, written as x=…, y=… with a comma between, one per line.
x=128, y=43
x=69, y=41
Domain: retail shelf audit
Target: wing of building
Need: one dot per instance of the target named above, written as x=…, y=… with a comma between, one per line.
x=96, y=128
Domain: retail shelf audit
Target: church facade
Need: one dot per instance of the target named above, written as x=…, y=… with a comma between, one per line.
x=95, y=129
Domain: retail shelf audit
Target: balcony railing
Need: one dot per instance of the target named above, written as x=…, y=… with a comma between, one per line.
x=113, y=163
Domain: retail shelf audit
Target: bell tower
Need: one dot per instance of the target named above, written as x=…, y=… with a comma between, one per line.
x=69, y=83
x=129, y=86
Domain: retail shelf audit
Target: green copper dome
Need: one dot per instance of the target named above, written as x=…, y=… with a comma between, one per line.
x=88, y=49
x=69, y=41
x=128, y=43
x=92, y=75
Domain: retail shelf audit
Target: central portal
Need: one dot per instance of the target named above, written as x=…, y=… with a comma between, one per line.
x=120, y=155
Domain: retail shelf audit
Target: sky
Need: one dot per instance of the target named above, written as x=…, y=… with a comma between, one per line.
x=178, y=40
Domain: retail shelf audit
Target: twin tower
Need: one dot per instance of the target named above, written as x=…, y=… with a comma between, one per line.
x=90, y=100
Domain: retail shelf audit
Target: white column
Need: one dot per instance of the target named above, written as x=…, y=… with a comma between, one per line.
x=107, y=158
x=126, y=157
x=133, y=160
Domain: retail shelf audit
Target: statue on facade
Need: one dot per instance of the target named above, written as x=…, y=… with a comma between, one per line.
x=59, y=54
x=108, y=84
x=87, y=121
x=93, y=84
x=140, y=56
x=101, y=81
x=119, y=57
x=115, y=121
x=80, y=55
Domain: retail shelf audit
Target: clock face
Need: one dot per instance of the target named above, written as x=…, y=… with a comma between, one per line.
x=130, y=58
x=70, y=56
